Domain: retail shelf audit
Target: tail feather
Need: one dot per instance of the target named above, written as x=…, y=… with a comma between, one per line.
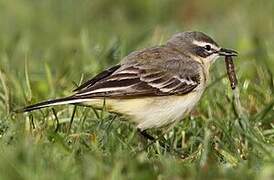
x=54, y=102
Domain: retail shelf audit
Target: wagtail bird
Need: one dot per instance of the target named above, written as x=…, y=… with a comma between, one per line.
x=153, y=87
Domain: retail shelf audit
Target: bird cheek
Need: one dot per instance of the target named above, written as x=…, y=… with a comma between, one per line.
x=201, y=52
x=214, y=57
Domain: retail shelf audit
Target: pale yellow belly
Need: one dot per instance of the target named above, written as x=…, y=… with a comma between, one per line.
x=151, y=112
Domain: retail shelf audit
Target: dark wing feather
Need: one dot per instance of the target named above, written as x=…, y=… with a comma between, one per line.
x=97, y=78
x=173, y=76
x=181, y=79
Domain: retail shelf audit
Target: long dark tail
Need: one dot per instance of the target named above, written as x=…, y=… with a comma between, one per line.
x=54, y=102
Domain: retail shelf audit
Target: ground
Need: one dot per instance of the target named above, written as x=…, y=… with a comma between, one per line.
x=48, y=47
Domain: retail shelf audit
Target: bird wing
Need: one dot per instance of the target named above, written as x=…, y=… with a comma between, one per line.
x=157, y=74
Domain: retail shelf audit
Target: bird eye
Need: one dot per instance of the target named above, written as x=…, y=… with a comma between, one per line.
x=208, y=47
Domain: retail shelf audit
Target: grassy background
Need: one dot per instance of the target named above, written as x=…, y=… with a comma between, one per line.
x=46, y=47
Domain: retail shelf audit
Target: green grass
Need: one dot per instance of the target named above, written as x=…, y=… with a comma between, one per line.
x=48, y=47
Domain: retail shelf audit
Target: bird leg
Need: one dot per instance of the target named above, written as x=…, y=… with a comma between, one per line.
x=163, y=143
x=146, y=135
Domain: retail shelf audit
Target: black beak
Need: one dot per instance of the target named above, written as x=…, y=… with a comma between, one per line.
x=227, y=52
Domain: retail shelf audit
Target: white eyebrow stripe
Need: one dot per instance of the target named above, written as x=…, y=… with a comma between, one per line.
x=201, y=43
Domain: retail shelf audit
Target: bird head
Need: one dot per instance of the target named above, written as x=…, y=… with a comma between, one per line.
x=199, y=46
